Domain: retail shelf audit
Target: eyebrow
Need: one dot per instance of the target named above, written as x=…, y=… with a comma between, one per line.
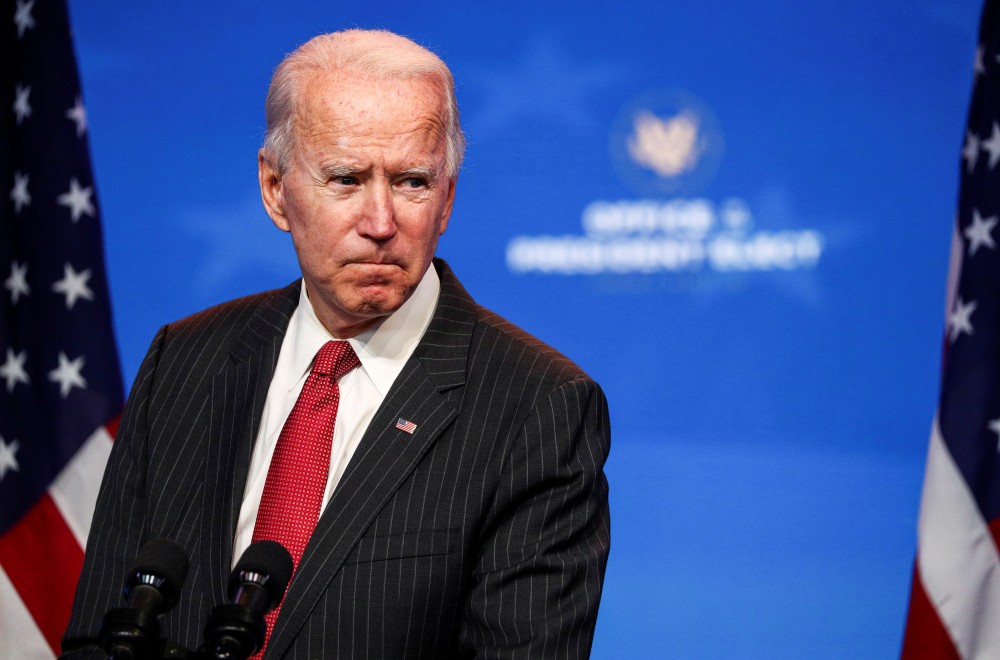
x=334, y=170
x=426, y=171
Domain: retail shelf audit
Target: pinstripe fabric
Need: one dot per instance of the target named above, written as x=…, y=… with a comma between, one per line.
x=484, y=533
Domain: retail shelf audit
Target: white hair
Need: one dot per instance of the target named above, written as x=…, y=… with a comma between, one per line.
x=374, y=54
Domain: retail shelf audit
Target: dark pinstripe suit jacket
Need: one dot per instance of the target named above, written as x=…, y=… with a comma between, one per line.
x=485, y=533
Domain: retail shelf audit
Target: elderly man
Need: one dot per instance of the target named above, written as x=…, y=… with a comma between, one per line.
x=435, y=472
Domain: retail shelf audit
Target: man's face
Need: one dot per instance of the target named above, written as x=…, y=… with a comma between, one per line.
x=365, y=195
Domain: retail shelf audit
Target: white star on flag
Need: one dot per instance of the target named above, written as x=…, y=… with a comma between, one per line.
x=8, y=460
x=78, y=199
x=970, y=152
x=19, y=193
x=78, y=114
x=73, y=285
x=17, y=282
x=994, y=426
x=67, y=374
x=21, y=106
x=992, y=145
x=13, y=369
x=960, y=320
x=979, y=233
x=22, y=17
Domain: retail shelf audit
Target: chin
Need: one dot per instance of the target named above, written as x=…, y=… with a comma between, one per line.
x=379, y=303
x=374, y=309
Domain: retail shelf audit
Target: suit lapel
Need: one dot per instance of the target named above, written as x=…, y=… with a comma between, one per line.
x=386, y=455
x=237, y=402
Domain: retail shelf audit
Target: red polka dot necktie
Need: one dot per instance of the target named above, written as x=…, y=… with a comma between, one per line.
x=296, y=479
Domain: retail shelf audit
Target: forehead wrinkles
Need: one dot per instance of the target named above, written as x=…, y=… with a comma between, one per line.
x=342, y=110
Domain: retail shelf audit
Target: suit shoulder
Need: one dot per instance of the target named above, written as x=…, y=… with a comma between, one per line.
x=272, y=307
x=499, y=350
x=205, y=340
x=515, y=349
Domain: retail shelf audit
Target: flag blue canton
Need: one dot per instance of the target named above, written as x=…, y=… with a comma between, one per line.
x=59, y=373
x=970, y=392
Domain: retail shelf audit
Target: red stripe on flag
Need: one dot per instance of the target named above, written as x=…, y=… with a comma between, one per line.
x=112, y=426
x=926, y=637
x=995, y=532
x=43, y=561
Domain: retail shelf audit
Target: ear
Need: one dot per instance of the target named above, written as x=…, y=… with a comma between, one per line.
x=270, y=189
x=448, y=203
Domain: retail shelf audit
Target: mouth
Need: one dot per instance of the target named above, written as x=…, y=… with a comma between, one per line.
x=375, y=272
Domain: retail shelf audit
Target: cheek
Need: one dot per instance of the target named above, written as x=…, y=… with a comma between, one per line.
x=316, y=242
x=425, y=227
x=421, y=240
x=315, y=225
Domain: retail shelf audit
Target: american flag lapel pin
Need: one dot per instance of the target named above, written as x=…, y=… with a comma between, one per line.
x=406, y=425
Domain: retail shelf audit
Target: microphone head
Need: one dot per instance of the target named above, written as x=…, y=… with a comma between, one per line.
x=271, y=562
x=167, y=562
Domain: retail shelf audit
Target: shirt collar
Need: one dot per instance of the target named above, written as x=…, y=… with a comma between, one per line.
x=382, y=349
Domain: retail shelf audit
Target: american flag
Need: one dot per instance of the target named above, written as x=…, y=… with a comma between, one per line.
x=955, y=598
x=60, y=383
x=406, y=425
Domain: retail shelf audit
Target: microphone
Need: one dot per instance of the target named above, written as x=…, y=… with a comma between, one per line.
x=151, y=588
x=236, y=630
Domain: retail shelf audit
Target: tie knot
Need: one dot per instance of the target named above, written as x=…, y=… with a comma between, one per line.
x=335, y=359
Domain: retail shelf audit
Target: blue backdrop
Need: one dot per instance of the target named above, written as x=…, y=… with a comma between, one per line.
x=736, y=217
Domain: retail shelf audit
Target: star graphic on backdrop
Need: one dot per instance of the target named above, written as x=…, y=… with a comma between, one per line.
x=8, y=458
x=73, y=285
x=13, y=369
x=22, y=17
x=78, y=199
x=992, y=145
x=994, y=426
x=970, y=152
x=19, y=193
x=78, y=114
x=22, y=108
x=17, y=282
x=960, y=319
x=67, y=374
x=546, y=83
x=979, y=233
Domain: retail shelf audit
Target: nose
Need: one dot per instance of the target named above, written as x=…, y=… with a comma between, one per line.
x=378, y=221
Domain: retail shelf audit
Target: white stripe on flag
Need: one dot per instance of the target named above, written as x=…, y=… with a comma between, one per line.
x=958, y=559
x=19, y=636
x=74, y=491
x=954, y=271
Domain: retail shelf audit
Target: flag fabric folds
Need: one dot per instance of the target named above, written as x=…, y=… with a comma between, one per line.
x=955, y=598
x=60, y=382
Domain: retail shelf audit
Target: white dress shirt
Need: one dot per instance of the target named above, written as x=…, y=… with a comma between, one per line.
x=382, y=350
